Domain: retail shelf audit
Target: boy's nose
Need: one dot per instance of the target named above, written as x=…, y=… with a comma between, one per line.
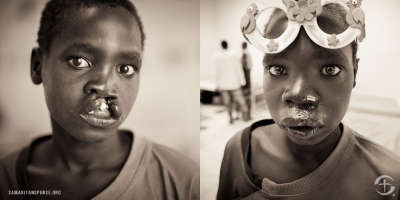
x=102, y=85
x=301, y=92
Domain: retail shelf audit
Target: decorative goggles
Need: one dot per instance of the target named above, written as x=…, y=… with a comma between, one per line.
x=303, y=13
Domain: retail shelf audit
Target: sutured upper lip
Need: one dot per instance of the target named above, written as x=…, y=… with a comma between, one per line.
x=294, y=122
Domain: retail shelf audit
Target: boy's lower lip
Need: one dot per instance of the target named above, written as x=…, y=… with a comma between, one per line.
x=98, y=122
x=302, y=132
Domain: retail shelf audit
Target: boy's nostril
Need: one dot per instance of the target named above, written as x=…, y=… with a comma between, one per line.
x=289, y=102
x=93, y=91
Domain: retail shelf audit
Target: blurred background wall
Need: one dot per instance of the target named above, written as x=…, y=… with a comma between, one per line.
x=167, y=107
x=380, y=53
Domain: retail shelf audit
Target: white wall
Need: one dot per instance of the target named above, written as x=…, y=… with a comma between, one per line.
x=378, y=73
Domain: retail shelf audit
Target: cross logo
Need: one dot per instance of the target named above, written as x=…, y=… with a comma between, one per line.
x=386, y=191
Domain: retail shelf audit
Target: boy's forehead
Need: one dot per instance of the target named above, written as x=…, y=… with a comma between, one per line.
x=99, y=31
x=99, y=12
x=99, y=21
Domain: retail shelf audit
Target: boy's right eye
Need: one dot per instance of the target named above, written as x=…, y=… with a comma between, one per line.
x=277, y=70
x=79, y=62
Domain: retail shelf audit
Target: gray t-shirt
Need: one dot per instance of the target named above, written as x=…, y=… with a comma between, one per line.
x=152, y=171
x=350, y=172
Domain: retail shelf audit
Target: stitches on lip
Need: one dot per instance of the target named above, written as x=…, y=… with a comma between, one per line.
x=296, y=112
x=301, y=112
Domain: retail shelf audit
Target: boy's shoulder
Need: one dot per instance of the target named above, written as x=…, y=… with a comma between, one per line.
x=153, y=155
x=8, y=175
x=162, y=171
x=7, y=166
x=241, y=139
x=235, y=175
x=378, y=157
x=238, y=147
x=375, y=148
x=10, y=163
x=171, y=159
x=10, y=160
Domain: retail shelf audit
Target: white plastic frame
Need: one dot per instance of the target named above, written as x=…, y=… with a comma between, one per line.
x=293, y=28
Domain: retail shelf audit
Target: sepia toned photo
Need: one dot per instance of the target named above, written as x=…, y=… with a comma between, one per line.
x=99, y=99
x=199, y=99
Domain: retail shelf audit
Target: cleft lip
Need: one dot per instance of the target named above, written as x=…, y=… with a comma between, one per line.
x=102, y=108
x=93, y=105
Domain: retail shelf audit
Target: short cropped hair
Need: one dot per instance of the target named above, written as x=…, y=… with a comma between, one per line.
x=338, y=13
x=224, y=44
x=54, y=17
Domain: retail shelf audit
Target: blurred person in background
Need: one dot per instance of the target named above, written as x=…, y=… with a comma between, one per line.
x=246, y=65
x=229, y=80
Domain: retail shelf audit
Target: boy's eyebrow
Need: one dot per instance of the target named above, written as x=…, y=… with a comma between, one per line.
x=131, y=55
x=322, y=55
x=272, y=57
x=85, y=47
x=333, y=54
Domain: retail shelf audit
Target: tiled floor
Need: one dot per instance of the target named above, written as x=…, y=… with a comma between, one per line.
x=216, y=133
x=375, y=118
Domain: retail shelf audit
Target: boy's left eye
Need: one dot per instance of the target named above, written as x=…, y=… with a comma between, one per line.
x=277, y=70
x=331, y=70
x=126, y=70
x=79, y=62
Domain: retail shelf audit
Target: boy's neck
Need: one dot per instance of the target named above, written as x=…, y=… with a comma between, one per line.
x=318, y=152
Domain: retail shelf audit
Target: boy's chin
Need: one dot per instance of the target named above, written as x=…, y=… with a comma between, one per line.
x=92, y=136
x=85, y=132
x=305, y=142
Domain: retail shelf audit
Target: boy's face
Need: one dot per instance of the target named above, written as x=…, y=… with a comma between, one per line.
x=304, y=69
x=94, y=60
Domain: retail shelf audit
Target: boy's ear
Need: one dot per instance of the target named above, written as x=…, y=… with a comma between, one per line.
x=36, y=66
x=355, y=68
